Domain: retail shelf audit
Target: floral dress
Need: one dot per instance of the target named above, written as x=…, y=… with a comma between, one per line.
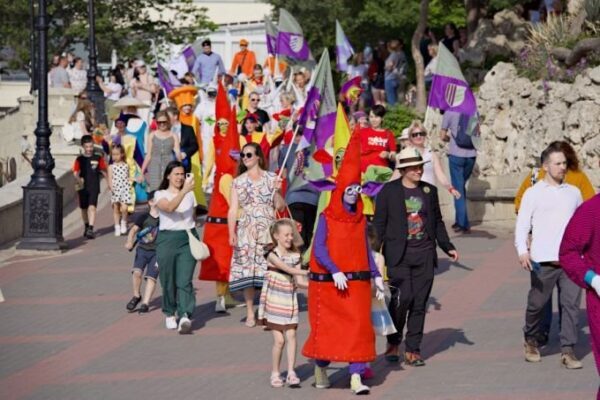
x=121, y=188
x=248, y=264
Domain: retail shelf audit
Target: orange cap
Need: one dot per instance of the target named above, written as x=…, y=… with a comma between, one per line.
x=243, y=42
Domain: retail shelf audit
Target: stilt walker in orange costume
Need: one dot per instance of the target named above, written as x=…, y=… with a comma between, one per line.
x=225, y=141
x=184, y=97
x=339, y=289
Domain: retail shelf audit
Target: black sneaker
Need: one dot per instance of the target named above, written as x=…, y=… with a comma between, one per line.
x=143, y=309
x=89, y=233
x=133, y=303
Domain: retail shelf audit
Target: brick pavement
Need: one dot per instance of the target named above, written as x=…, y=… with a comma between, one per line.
x=65, y=334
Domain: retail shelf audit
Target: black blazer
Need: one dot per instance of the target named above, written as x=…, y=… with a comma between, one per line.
x=188, y=145
x=391, y=224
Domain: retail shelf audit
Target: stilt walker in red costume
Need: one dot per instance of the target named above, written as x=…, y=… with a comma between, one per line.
x=226, y=142
x=339, y=290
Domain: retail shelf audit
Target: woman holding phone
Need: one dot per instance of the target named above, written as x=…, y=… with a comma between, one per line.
x=254, y=196
x=176, y=204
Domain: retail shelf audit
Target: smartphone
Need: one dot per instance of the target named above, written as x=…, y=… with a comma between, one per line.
x=188, y=175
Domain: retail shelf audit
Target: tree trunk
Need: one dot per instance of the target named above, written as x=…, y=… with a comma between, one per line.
x=473, y=8
x=418, y=58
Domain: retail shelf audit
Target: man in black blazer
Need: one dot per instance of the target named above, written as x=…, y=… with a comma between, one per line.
x=409, y=225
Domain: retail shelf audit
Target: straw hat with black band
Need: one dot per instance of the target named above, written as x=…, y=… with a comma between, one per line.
x=409, y=157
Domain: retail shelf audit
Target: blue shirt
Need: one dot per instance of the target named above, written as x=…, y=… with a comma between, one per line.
x=451, y=123
x=205, y=66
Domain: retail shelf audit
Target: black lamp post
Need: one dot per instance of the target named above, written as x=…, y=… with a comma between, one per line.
x=94, y=92
x=42, y=197
x=32, y=63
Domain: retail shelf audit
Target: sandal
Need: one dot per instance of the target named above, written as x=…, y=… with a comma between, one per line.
x=133, y=303
x=250, y=323
x=413, y=359
x=276, y=381
x=292, y=380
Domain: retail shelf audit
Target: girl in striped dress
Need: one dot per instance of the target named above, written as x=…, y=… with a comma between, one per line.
x=278, y=308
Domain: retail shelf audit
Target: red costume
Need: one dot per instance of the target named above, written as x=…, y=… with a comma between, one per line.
x=340, y=321
x=216, y=234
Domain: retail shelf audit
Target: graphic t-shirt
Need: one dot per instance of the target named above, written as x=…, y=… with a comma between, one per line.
x=90, y=168
x=372, y=143
x=416, y=214
x=146, y=236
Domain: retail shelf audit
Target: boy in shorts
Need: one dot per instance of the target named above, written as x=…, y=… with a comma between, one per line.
x=144, y=232
x=87, y=170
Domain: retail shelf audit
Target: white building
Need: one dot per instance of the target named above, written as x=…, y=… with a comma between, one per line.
x=237, y=19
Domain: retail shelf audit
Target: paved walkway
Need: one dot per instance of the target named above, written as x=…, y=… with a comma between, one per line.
x=65, y=334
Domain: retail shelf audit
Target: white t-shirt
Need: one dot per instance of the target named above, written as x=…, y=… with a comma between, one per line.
x=182, y=218
x=115, y=91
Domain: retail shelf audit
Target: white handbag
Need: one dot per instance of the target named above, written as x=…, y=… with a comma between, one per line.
x=198, y=249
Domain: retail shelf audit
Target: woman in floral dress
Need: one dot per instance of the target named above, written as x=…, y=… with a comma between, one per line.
x=254, y=196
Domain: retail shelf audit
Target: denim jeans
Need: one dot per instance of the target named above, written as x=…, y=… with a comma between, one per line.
x=391, y=88
x=460, y=172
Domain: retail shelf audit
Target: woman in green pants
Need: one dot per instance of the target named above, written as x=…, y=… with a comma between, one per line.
x=176, y=204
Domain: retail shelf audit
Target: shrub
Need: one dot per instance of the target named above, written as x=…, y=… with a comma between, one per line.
x=399, y=117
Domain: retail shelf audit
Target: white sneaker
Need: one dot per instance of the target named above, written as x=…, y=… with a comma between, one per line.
x=220, y=304
x=357, y=386
x=123, y=227
x=171, y=323
x=185, y=325
x=117, y=230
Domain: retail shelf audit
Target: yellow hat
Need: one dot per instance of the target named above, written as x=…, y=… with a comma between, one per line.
x=243, y=42
x=184, y=95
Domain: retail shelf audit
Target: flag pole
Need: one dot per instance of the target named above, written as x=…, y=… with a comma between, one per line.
x=287, y=154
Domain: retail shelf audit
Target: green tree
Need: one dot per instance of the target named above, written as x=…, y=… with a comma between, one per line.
x=124, y=25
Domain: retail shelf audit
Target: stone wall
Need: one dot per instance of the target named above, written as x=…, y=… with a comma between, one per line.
x=520, y=118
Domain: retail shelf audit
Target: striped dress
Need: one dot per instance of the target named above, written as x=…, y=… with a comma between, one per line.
x=278, y=307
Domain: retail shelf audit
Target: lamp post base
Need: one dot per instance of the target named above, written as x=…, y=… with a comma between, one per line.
x=42, y=219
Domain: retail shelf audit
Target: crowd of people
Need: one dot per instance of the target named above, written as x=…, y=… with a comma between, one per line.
x=224, y=150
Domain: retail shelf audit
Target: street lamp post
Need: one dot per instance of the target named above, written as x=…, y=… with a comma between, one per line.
x=42, y=197
x=95, y=94
x=32, y=63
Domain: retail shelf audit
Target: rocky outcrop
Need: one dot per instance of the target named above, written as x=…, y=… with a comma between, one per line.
x=519, y=118
x=503, y=36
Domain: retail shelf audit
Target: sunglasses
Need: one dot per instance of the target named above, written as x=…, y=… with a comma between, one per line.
x=162, y=122
x=419, y=133
x=246, y=155
x=253, y=99
x=350, y=190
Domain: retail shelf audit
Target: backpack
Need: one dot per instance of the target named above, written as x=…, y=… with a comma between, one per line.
x=462, y=138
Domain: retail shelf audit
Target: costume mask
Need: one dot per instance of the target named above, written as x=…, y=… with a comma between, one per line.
x=351, y=194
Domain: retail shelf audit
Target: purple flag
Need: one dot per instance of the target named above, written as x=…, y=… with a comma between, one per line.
x=449, y=89
x=290, y=39
x=166, y=79
x=190, y=57
x=319, y=113
x=271, y=31
x=343, y=48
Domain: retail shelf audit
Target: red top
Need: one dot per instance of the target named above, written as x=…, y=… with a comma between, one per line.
x=372, y=143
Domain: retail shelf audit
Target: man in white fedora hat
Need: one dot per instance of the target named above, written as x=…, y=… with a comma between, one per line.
x=409, y=225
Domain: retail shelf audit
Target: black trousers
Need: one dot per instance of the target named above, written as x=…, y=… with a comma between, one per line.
x=306, y=214
x=410, y=284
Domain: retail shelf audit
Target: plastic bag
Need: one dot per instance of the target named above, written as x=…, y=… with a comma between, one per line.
x=381, y=319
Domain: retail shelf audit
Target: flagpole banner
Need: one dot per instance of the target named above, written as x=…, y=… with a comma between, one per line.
x=166, y=79
x=343, y=48
x=190, y=56
x=290, y=38
x=271, y=31
x=449, y=89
